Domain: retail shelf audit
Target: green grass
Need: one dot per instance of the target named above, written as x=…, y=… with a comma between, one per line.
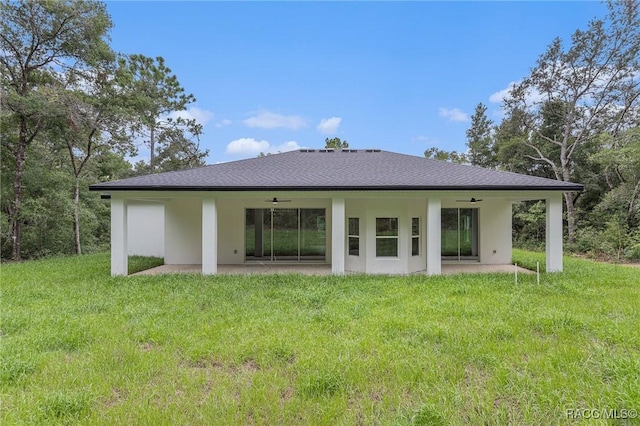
x=80, y=347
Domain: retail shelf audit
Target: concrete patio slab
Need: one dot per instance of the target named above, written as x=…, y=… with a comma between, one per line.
x=317, y=269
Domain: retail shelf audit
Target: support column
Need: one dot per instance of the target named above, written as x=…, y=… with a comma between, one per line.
x=337, y=236
x=119, y=250
x=553, y=242
x=434, y=230
x=209, y=236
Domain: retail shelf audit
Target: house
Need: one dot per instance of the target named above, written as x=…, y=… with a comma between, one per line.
x=361, y=210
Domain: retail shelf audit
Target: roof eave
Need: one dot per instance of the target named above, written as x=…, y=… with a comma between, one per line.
x=563, y=188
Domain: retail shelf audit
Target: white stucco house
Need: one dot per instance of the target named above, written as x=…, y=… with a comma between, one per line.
x=363, y=210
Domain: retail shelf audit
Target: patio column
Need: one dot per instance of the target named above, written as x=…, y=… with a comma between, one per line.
x=337, y=236
x=209, y=236
x=434, y=260
x=119, y=251
x=553, y=243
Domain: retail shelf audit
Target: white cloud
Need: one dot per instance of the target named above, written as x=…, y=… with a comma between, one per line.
x=498, y=96
x=284, y=147
x=329, y=125
x=252, y=147
x=272, y=120
x=247, y=146
x=222, y=123
x=533, y=96
x=453, y=114
x=202, y=116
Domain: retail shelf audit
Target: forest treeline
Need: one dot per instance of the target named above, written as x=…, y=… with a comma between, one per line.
x=574, y=118
x=73, y=111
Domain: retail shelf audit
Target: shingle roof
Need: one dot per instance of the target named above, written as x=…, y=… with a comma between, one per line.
x=336, y=170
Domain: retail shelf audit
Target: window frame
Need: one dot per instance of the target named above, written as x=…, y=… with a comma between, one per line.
x=415, y=235
x=351, y=236
x=395, y=237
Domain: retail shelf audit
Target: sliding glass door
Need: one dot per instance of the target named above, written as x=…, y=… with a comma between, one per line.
x=281, y=234
x=459, y=234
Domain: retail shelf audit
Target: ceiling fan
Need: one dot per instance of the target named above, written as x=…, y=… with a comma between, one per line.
x=275, y=201
x=472, y=201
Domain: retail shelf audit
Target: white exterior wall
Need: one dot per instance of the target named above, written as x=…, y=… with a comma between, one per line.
x=182, y=232
x=146, y=228
x=495, y=232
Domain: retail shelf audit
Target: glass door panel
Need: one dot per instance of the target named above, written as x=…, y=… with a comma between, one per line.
x=285, y=234
x=459, y=233
x=258, y=234
x=312, y=234
x=449, y=232
x=468, y=232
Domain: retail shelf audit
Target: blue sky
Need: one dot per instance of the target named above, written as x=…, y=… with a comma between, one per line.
x=400, y=76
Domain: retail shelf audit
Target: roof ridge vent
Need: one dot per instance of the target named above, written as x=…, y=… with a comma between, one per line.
x=349, y=150
x=307, y=150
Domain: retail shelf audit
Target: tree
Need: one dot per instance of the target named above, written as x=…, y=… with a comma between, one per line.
x=480, y=140
x=442, y=155
x=155, y=94
x=620, y=158
x=93, y=114
x=336, y=143
x=38, y=40
x=178, y=152
x=591, y=87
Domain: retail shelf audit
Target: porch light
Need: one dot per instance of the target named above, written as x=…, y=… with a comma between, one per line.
x=274, y=201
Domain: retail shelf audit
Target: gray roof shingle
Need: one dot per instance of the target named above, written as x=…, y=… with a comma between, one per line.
x=336, y=170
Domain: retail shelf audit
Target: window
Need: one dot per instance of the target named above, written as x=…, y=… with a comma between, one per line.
x=387, y=237
x=354, y=236
x=415, y=236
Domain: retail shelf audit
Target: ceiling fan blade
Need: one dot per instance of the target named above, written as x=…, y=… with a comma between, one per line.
x=276, y=200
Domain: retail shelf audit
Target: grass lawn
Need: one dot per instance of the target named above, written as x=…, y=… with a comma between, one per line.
x=81, y=347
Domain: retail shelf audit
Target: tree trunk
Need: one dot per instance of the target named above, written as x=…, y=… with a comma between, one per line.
x=76, y=217
x=569, y=198
x=152, y=146
x=16, y=208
